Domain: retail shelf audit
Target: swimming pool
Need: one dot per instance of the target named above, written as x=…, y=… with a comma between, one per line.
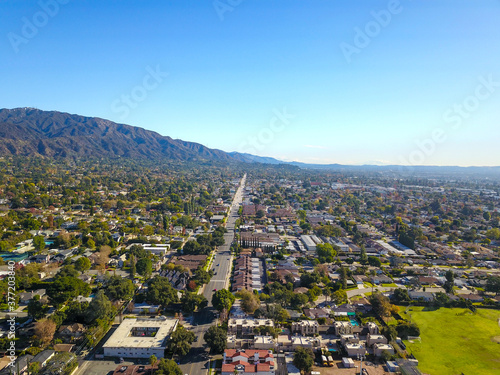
x=354, y=322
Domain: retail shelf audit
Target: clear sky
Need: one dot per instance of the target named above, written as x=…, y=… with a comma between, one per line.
x=321, y=81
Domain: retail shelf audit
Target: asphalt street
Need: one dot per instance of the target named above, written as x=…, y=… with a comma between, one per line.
x=197, y=361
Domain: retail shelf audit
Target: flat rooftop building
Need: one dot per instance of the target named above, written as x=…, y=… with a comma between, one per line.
x=140, y=338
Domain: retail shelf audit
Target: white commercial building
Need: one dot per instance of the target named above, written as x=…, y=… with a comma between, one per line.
x=140, y=338
x=308, y=242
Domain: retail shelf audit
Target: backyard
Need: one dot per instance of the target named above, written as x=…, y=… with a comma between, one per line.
x=456, y=341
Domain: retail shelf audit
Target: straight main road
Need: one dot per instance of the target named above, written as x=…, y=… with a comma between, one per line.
x=197, y=360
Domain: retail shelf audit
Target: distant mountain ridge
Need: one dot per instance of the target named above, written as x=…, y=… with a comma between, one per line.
x=32, y=132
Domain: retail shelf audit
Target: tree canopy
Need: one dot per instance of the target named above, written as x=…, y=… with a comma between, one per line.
x=222, y=299
x=216, y=339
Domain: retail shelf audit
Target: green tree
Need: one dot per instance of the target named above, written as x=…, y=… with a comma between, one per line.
x=401, y=295
x=223, y=299
x=390, y=333
x=192, y=301
x=298, y=300
x=153, y=360
x=37, y=309
x=99, y=308
x=34, y=368
x=180, y=341
x=441, y=299
x=302, y=214
x=307, y=279
x=39, y=243
x=363, y=258
x=191, y=247
x=306, y=227
x=380, y=304
x=82, y=264
x=407, y=329
x=303, y=359
x=161, y=292
x=132, y=266
x=493, y=284
x=202, y=277
x=314, y=293
x=340, y=296
x=449, y=283
x=65, y=288
x=144, y=267
x=119, y=288
x=216, y=339
x=343, y=277
x=493, y=234
x=326, y=253
x=374, y=262
x=168, y=367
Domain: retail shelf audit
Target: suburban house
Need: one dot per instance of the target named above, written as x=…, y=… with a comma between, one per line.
x=25, y=297
x=72, y=330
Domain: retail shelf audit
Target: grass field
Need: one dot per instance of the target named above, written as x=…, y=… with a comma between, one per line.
x=455, y=341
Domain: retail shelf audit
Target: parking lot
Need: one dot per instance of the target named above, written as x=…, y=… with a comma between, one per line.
x=106, y=367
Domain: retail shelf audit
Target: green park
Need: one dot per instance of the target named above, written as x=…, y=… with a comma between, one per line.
x=456, y=341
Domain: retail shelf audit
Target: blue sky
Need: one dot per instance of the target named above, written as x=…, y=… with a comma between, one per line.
x=338, y=81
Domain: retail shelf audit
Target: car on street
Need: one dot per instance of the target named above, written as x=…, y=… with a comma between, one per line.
x=215, y=289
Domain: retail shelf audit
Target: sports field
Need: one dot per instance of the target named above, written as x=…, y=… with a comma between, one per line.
x=456, y=341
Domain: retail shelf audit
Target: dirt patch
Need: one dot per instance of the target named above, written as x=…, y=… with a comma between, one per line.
x=496, y=339
x=339, y=370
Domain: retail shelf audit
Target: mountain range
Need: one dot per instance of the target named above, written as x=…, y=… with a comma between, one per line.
x=34, y=132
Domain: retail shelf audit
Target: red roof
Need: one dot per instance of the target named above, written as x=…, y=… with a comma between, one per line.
x=230, y=353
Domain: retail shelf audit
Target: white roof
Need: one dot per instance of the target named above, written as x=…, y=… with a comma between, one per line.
x=122, y=338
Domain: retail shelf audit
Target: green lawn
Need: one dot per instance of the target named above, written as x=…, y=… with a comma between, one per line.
x=391, y=285
x=455, y=341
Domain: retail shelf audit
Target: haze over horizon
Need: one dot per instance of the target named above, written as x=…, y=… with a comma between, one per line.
x=388, y=82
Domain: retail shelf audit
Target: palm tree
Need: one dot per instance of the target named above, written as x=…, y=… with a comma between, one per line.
x=153, y=360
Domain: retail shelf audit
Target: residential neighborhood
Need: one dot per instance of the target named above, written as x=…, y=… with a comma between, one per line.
x=247, y=274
